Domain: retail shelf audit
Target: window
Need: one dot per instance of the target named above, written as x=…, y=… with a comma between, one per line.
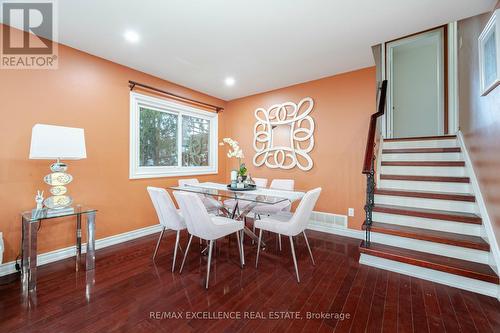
x=170, y=139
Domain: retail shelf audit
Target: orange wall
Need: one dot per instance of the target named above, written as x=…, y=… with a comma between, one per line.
x=88, y=92
x=342, y=107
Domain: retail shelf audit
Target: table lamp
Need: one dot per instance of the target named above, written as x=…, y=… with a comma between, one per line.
x=49, y=142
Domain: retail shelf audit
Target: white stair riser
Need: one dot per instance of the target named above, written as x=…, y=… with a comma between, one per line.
x=449, y=205
x=422, y=157
x=446, y=250
x=421, y=144
x=458, y=188
x=423, y=171
x=457, y=281
x=429, y=224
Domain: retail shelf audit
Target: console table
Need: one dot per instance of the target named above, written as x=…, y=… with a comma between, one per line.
x=31, y=221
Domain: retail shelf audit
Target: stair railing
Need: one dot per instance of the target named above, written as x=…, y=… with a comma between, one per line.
x=369, y=162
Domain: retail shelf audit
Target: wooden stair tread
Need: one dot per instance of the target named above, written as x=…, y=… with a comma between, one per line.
x=421, y=150
x=426, y=195
x=427, y=178
x=429, y=213
x=425, y=163
x=423, y=138
x=472, y=242
x=444, y=264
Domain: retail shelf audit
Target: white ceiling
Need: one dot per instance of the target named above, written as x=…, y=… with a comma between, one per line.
x=263, y=44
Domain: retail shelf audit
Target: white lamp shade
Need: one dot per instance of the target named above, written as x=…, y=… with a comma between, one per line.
x=49, y=142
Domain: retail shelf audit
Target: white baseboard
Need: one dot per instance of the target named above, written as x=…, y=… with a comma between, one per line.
x=67, y=252
x=476, y=286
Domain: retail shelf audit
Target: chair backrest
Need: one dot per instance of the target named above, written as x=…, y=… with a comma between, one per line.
x=165, y=209
x=260, y=182
x=189, y=181
x=302, y=214
x=198, y=222
x=282, y=184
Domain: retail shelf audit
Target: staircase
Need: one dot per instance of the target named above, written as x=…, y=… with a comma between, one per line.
x=425, y=218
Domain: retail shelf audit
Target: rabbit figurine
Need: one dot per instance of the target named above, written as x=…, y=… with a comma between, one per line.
x=39, y=199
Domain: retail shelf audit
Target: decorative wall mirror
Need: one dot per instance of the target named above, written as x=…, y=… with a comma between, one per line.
x=284, y=135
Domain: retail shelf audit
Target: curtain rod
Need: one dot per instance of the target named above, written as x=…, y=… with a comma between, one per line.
x=133, y=84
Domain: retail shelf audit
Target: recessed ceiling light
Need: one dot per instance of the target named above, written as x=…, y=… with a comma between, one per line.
x=229, y=81
x=131, y=36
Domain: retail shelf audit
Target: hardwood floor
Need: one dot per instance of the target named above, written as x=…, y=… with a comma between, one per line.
x=131, y=293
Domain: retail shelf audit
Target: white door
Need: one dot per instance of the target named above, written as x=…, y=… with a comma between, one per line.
x=416, y=85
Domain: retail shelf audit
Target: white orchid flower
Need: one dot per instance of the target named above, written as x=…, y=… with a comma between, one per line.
x=235, y=150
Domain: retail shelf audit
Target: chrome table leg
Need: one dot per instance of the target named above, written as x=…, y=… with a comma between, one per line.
x=90, y=257
x=25, y=249
x=210, y=248
x=242, y=247
x=78, y=240
x=247, y=230
x=239, y=248
x=258, y=248
x=32, y=255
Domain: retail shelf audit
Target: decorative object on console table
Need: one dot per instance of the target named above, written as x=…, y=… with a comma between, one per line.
x=250, y=181
x=284, y=136
x=489, y=55
x=39, y=204
x=49, y=142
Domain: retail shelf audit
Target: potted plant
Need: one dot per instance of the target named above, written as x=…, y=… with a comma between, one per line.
x=236, y=152
x=243, y=171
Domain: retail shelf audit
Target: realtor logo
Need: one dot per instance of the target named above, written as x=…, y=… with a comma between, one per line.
x=27, y=35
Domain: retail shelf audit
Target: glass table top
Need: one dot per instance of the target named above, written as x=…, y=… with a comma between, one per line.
x=46, y=213
x=259, y=195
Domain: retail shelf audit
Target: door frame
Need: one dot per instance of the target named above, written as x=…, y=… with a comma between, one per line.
x=387, y=121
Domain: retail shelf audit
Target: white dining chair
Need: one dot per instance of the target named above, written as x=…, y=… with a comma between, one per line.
x=284, y=206
x=260, y=182
x=212, y=205
x=200, y=224
x=168, y=216
x=290, y=224
x=242, y=204
x=276, y=184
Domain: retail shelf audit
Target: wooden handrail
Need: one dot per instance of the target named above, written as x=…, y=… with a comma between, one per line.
x=370, y=140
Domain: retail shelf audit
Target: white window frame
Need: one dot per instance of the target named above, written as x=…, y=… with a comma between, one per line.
x=137, y=172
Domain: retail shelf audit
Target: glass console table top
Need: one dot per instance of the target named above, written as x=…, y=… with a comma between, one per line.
x=260, y=195
x=46, y=213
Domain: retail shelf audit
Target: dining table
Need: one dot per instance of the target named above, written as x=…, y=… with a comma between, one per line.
x=252, y=198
